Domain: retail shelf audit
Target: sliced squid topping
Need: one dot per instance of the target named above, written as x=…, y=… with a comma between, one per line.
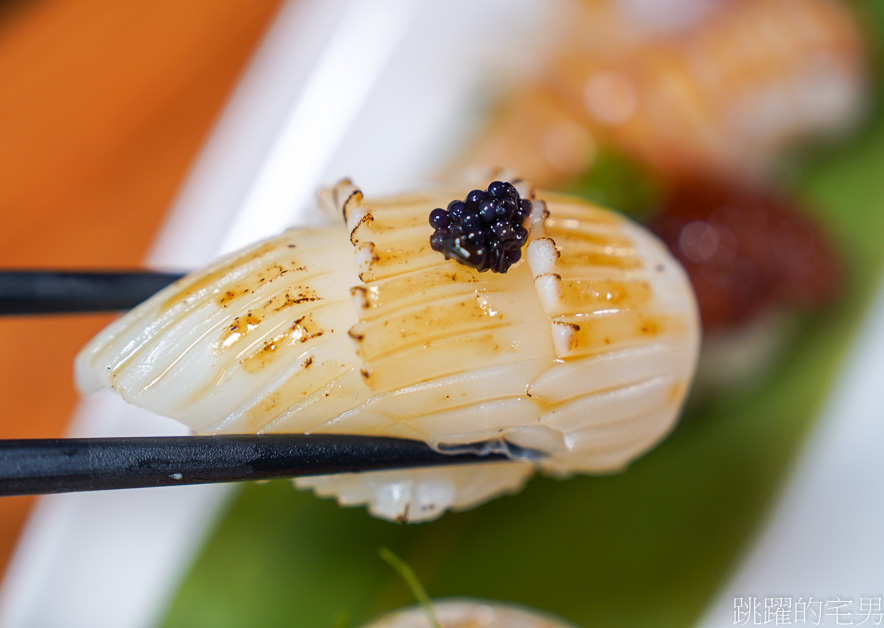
x=583, y=351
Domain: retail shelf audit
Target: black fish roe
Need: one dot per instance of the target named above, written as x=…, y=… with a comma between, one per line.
x=483, y=231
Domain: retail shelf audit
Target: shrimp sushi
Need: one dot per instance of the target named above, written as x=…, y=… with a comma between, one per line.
x=720, y=88
x=497, y=317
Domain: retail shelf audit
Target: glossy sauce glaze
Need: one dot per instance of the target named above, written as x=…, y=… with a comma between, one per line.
x=583, y=349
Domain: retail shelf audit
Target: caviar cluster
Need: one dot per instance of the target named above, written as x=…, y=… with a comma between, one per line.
x=484, y=230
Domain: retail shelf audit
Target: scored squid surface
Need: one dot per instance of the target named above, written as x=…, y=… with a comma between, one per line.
x=588, y=351
x=584, y=350
x=240, y=343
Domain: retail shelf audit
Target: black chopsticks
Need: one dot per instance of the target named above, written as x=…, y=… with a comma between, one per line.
x=31, y=467
x=25, y=292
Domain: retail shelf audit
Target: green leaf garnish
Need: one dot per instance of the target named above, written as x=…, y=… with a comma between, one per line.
x=413, y=582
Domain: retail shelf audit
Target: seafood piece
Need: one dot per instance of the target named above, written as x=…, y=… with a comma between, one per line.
x=465, y=613
x=723, y=93
x=583, y=350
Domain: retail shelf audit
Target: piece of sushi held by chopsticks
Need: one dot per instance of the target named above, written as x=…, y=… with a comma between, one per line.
x=508, y=320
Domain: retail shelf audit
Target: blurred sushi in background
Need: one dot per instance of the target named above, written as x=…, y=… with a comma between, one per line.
x=686, y=87
x=683, y=113
x=755, y=258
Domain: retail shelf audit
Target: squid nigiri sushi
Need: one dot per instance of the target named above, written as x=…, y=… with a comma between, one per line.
x=509, y=319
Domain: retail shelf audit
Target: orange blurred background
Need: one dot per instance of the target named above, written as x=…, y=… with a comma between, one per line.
x=103, y=109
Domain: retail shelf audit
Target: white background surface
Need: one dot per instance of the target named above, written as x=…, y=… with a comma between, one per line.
x=826, y=536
